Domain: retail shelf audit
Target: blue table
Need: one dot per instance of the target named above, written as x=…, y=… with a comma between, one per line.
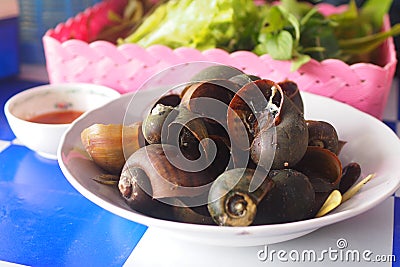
x=44, y=221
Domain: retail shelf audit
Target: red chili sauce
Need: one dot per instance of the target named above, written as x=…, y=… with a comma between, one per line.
x=57, y=117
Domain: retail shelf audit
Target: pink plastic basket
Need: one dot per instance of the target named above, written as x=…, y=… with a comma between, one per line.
x=124, y=68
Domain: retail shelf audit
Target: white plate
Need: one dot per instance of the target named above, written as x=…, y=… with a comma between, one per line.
x=370, y=143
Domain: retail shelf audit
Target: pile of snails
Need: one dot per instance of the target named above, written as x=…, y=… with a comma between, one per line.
x=232, y=150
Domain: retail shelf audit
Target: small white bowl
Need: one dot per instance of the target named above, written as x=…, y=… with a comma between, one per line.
x=44, y=138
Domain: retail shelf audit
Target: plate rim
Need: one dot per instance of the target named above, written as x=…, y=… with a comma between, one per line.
x=298, y=226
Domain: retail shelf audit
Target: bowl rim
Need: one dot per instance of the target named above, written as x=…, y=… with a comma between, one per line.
x=108, y=92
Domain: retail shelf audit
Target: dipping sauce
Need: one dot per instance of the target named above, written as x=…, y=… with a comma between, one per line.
x=57, y=117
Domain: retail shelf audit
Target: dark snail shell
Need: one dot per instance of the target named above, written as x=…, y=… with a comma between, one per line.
x=136, y=191
x=209, y=98
x=324, y=170
x=323, y=134
x=291, y=199
x=322, y=167
x=169, y=174
x=243, y=79
x=222, y=160
x=291, y=90
x=217, y=129
x=188, y=132
x=135, y=188
x=216, y=72
x=156, y=121
x=177, y=126
x=230, y=201
x=190, y=214
x=172, y=100
x=283, y=143
x=246, y=113
x=350, y=174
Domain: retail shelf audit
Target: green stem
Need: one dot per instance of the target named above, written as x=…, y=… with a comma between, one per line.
x=367, y=43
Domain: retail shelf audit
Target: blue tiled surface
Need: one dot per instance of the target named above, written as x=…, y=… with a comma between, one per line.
x=9, y=87
x=391, y=115
x=44, y=221
x=391, y=124
x=9, y=64
x=392, y=119
x=396, y=232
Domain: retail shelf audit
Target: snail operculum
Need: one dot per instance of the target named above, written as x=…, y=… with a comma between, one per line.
x=230, y=201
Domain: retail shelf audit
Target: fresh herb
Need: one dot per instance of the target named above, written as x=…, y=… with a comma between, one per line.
x=351, y=36
x=121, y=25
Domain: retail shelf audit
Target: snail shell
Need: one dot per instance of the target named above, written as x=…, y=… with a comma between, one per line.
x=216, y=72
x=165, y=179
x=243, y=79
x=324, y=170
x=109, y=144
x=161, y=114
x=291, y=90
x=188, y=132
x=291, y=199
x=282, y=143
x=350, y=174
x=170, y=99
x=323, y=134
x=230, y=201
x=209, y=99
x=156, y=121
x=322, y=167
x=190, y=214
x=243, y=114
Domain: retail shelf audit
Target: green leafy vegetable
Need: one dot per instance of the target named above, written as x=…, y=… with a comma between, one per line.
x=228, y=24
x=280, y=45
x=287, y=30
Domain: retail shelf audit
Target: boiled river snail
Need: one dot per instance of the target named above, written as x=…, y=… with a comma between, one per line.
x=230, y=149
